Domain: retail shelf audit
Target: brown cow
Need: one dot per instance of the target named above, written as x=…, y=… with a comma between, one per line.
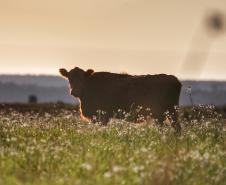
x=110, y=92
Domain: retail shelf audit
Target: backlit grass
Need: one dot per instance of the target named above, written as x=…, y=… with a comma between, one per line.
x=60, y=149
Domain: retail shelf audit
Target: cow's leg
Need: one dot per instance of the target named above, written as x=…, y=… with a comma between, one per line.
x=173, y=113
x=105, y=119
x=160, y=119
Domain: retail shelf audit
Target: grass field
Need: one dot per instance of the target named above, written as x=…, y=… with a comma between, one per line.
x=53, y=147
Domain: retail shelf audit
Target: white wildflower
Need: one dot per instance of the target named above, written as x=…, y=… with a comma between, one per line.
x=86, y=166
x=107, y=174
x=117, y=169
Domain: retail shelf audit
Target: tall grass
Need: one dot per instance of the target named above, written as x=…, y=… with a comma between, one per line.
x=61, y=149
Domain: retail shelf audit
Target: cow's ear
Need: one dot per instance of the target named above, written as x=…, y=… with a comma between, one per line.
x=89, y=72
x=63, y=72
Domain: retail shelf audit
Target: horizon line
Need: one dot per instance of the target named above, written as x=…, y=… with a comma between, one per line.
x=55, y=75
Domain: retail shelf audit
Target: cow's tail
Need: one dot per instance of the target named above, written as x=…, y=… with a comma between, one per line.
x=177, y=92
x=174, y=92
x=174, y=111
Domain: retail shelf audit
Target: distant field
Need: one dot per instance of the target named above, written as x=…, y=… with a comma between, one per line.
x=47, y=144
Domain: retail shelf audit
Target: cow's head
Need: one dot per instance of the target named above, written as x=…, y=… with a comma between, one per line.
x=77, y=79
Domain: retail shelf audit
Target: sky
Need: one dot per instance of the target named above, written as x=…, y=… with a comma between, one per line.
x=133, y=36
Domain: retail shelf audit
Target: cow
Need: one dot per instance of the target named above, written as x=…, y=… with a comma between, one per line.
x=111, y=92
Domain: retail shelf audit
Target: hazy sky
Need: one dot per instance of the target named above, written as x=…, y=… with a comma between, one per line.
x=134, y=36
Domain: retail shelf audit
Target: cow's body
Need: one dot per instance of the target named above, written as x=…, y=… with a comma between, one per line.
x=110, y=92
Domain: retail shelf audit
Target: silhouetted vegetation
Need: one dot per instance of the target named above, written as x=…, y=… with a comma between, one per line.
x=32, y=99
